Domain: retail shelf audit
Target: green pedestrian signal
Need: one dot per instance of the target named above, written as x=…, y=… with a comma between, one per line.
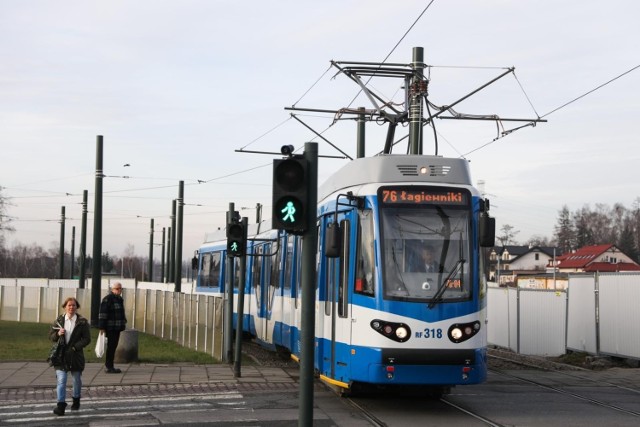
x=236, y=238
x=289, y=212
x=290, y=182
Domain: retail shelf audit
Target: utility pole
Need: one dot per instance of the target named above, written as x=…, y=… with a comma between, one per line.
x=73, y=250
x=361, y=133
x=178, y=268
x=417, y=90
x=61, y=263
x=96, y=275
x=162, y=272
x=150, y=268
x=168, y=276
x=172, y=258
x=83, y=242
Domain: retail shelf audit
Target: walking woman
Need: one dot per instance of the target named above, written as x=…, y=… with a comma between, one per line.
x=77, y=335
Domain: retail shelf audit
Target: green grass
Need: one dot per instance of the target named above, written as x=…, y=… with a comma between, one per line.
x=22, y=341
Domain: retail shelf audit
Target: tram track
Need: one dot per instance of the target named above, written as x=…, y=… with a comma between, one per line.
x=471, y=413
x=572, y=394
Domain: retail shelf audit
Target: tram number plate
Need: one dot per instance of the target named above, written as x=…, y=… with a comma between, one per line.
x=430, y=333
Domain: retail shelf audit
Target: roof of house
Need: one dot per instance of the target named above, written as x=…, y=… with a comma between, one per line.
x=609, y=267
x=582, y=257
x=518, y=251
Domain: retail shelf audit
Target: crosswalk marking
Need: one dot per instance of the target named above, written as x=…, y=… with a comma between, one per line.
x=134, y=407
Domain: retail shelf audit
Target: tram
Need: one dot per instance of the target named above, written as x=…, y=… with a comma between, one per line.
x=401, y=300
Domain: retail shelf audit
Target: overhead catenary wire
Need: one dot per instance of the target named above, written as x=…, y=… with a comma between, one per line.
x=532, y=124
x=591, y=91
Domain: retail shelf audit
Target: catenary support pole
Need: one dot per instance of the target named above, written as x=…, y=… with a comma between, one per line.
x=73, y=251
x=150, y=267
x=96, y=268
x=172, y=250
x=61, y=258
x=361, y=133
x=83, y=242
x=178, y=264
x=162, y=272
x=417, y=89
x=168, y=276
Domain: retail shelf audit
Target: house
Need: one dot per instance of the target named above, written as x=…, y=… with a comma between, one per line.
x=602, y=258
x=507, y=262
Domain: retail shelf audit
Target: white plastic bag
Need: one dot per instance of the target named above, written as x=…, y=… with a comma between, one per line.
x=101, y=344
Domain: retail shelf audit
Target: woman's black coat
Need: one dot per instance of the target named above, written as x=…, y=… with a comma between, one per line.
x=73, y=359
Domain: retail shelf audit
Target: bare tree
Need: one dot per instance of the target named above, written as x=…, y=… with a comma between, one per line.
x=4, y=219
x=538, y=240
x=508, y=235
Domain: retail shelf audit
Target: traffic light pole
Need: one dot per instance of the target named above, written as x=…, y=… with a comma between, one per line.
x=307, y=333
x=243, y=270
x=227, y=354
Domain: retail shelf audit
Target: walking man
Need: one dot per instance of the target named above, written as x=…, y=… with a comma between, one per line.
x=112, y=321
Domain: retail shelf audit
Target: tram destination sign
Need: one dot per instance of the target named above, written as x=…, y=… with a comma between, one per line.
x=423, y=196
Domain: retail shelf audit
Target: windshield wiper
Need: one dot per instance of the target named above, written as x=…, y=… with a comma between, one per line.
x=437, y=297
x=399, y=273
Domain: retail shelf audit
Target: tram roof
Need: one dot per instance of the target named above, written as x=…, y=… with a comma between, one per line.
x=393, y=168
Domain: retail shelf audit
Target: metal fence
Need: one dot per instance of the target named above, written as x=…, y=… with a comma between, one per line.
x=191, y=320
x=599, y=314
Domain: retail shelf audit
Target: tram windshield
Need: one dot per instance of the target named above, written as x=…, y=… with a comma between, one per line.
x=425, y=252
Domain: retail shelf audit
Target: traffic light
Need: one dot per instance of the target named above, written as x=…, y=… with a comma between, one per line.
x=236, y=238
x=290, y=182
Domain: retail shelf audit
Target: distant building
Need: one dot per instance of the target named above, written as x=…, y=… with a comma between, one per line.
x=602, y=258
x=508, y=262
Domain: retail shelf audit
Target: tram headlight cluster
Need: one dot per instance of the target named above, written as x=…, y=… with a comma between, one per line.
x=395, y=331
x=460, y=332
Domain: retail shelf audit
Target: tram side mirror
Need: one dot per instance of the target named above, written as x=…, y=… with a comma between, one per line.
x=487, y=231
x=332, y=241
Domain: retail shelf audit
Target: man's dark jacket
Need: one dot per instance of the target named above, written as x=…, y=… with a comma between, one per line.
x=112, y=317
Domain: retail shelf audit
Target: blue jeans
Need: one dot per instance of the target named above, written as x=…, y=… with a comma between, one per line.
x=62, y=384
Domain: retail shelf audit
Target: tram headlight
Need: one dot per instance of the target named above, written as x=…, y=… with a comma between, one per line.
x=399, y=332
x=456, y=333
x=460, y=332
x=402, y=332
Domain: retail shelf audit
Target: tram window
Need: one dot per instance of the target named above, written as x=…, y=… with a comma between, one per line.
x=287, y=245
x=268, y=267
x=257, y=270
x=330, y=283
x=365, y=279
x=206, y=268
x=298, y=268
x=236, y=273
x=343, y=280
x=414, y=273
x=275, y=269
x=210, y=274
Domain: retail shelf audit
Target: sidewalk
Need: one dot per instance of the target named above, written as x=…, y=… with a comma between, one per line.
x=35, y=382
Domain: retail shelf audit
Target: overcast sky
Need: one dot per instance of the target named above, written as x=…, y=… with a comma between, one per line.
x=176, y=87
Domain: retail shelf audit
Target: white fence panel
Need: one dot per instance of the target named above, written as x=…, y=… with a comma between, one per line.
x=542, y=322
x=620, y=314
x=498, y=316
x=8, y=282
x=33, y=283
x=64, y=283
x=581, y=314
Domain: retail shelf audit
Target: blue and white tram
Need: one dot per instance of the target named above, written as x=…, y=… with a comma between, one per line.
x=383, y=316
